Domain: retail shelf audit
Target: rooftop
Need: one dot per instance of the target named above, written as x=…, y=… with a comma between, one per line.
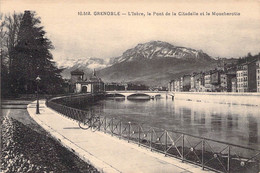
x=77, y=72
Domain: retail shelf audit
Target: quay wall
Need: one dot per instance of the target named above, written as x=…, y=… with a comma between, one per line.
x=78, y=100
x=252, y=99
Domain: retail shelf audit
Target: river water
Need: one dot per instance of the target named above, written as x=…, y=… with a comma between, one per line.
x=228, y=123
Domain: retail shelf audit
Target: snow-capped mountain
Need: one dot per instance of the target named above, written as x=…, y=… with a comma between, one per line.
x=155, y=63
x=91, y=63
x=85, y=64
x=158, y=50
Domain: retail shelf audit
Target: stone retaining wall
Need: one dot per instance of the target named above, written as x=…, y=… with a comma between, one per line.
x=252, y=99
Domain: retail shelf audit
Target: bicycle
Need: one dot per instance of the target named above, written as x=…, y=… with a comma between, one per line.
x=93, y=123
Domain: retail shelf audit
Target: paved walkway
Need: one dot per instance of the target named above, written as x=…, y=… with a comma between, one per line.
x=106, y=153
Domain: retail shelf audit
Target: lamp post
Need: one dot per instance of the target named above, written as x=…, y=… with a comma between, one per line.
x=37, y=104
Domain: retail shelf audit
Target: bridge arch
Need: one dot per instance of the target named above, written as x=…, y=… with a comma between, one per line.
x=156, y=95
x=143, y=95
x=115, y=95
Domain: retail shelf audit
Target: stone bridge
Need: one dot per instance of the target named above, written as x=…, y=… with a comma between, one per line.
x=151, y=94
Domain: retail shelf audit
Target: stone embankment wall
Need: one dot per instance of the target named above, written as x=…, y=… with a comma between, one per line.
x=252, y=99
x=78, y=101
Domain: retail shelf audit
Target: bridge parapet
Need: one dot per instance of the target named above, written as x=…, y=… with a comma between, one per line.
x=134, y=92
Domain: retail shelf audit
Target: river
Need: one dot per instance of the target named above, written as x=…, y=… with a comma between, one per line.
x=223, y=122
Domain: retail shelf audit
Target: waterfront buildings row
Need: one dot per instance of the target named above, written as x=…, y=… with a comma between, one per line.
x=241, y=78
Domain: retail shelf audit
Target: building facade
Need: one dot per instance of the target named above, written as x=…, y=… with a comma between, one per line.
x=186, y=83
x=181, y=84
x=93, y=85
x=247, y=77
x=234, y=84
x=242, y=78
x=201, y=83
x=177, y=85
x=258, y=75
x=226, y=81
x=215, y=80
x=242, y=85
x=207, y=80
x=76, y=76
x=171, y=86
x=193, y=82
x=252, y=84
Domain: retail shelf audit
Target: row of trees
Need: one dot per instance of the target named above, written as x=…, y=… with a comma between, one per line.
x=25, y=54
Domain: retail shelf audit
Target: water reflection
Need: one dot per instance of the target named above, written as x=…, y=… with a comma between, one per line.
x=253, y=128
x=231, y=123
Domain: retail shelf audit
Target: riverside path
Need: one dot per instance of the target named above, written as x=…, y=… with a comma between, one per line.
x=106, y=153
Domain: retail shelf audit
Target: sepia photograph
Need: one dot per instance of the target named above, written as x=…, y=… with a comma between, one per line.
x=149, y=86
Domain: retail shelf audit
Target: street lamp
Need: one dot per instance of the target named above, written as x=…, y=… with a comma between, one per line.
x=37, y=105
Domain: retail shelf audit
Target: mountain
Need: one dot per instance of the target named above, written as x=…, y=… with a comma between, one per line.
x=155, y=63
x=85, y=64
x=159, y=50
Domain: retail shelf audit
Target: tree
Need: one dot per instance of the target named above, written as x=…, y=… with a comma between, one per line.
x=8, y=33
x=32, y=57
x=9, y=28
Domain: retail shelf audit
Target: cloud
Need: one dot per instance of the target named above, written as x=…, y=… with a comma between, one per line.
x=77, y=36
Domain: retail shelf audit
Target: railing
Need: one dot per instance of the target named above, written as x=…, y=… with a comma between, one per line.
x=207, y=153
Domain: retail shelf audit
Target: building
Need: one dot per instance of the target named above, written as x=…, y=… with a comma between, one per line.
x=242, y=78
x=76, y=76
x=252, y=86
x=225, y=81
x=200, y=84
x=215, y=80
x=207, y=80
x=193, y=80
x=196, y=80
x=212, y=81
x=246, y=77
x=177, y=85
x=171, y=85
x=186, y=83
x=181, y=84
x=258, y=75
x=234, y=84
x=93, y=85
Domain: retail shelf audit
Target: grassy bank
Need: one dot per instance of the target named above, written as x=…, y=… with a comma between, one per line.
x=25, y=150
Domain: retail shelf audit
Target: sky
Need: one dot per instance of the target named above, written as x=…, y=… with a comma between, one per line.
x=79, y=36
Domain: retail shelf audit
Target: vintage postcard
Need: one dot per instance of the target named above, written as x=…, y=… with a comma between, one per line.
x=130, y=86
